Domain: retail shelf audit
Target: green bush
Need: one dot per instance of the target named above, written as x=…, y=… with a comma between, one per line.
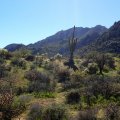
x=20, y=90
x=73, y=97
x=2, y=61
x=30, y=58
x=21, y=102
x=39, y=81
x=92, y=68
x=76, y=76
x=3, y=71
x=106, y=69
x=11, y=106
x=63, y=75
x=36, y=112
x=87, y=115
x=18, y=62
x=55, y=112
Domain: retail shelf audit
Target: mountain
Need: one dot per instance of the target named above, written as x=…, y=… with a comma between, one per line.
x=58, y=43
x=13, y=47
x=109, y=41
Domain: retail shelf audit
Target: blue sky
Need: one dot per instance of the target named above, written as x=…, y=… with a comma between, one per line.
x=27, y=21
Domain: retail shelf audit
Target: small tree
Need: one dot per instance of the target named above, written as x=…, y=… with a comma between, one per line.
x=73, y=97
x=101, y=60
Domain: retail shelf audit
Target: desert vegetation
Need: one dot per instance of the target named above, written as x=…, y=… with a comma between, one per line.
x=41, y=87
x=38, y=87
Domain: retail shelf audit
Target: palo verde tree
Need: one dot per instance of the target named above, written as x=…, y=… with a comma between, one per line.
x=72, y=46
x=102, y=60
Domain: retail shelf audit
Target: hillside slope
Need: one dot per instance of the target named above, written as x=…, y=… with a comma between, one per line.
x=109, y=41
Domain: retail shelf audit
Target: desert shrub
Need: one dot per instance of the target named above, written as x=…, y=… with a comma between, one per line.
x=19, y=103
x=6, y=106
x=8, y=67
x=18, y=62
x=4, y=54
x=36, y=112
x=70, y=85
x=100, y=90
x=63, y=75
x=9, y=107
x=30, y=58
x=21, y=90
x=61, y=72
x=76, y=81
x=118, y=72
x=38, y=61
x=102, y=87
x=87, y=115
x=34, y=75
x=15, y=61
x=105, y=86
x=85, y=62
x=2, y=60
x=3, y=71
x=49, y=66
x=55, y=112
x=113, y=112
x=92, y=68
x=40, y=81
x=38, y=86
x=111, y=62
x=54, y=66
x=8, y=56
x=33, y=66
x=101, y=60
x=73, y=97
x=106, y=69
x=58, y=56
x=25, y=99
x=76, y=76
x=45, y=63
x=21, y=52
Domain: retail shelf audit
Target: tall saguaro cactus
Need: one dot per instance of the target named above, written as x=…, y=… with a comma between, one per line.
x=72, y=46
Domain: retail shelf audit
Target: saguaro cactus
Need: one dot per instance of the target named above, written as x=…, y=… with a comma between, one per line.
x=72, y=46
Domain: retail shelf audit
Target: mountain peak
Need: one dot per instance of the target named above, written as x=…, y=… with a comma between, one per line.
x=14, y=46
x=116, y=26
x=58, y=43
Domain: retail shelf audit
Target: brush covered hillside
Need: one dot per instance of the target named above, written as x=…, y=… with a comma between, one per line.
x=58, y=43
x=38, y=87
